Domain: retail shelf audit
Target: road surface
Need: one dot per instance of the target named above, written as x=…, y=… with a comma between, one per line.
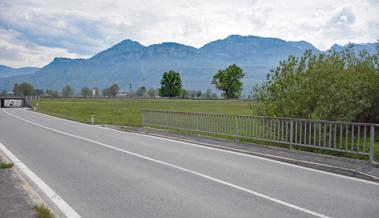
x=106, y=173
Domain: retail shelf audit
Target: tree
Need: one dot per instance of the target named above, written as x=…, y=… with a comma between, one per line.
x=214, y=96
x=86, y=92
x=52, y=93
x=229, y=81
x=171, y=84
x=15, y=88
x=38, y=92
x=23, y=89
x=152, y=93
x=185, y=94
x=198, y=93
x=106, y=92
x=141, y=91
x=3, y=92
x=113, y=90
x=67, y=91
x=208, y=93
x=193, y=94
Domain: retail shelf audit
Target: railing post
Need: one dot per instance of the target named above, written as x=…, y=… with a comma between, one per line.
x=372, y=143
x=143, y=119
x=236, y=121
x=93, y=118
x=197, y=123
x=291, y=134
x=166, y=119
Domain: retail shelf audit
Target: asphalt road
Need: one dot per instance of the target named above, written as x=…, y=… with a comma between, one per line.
x=106, y=173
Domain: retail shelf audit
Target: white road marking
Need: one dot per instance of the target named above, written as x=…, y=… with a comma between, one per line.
x=313, y=213
x=50, y=193
x=217, y=149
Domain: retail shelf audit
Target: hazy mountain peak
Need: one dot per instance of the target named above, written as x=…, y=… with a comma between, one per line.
x=171, y=50
x=125, y=48
x=357, y=47
x=6, y=71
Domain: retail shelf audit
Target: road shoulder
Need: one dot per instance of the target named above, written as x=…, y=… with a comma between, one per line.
x=17, y=198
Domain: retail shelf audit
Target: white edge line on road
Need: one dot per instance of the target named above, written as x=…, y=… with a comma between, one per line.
x=298, y=208
x=217, y=149
x=50, y=193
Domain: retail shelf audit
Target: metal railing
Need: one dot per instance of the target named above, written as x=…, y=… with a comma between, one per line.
x=349, y=137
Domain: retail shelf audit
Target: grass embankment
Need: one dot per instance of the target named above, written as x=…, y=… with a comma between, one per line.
x=128, y=112
x=43, y=212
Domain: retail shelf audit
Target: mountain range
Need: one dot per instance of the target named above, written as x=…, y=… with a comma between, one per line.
x=130, y=63
x=6, y=71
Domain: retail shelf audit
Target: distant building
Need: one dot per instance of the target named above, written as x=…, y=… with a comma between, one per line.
x=122, y=95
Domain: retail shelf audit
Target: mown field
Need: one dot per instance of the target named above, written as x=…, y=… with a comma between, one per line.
x=128, y=111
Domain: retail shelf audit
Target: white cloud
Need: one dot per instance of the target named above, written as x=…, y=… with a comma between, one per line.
x=34, y=32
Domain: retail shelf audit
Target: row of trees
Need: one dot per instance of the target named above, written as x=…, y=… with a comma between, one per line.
x=228, y=80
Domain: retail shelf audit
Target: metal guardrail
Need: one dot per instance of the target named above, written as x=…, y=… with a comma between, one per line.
x=349, y=137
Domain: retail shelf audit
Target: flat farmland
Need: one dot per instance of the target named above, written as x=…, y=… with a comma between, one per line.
x=120, y=111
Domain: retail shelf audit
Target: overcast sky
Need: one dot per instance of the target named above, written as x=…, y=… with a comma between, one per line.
x=32, y=33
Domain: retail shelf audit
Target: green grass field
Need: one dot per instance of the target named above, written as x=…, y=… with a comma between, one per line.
x=128, y=111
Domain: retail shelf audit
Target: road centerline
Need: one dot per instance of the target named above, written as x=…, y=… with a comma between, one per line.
x=263, y=196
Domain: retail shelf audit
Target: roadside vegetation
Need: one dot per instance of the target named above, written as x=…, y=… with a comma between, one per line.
x=341, y=86
x=43, y=211
x=6, y=165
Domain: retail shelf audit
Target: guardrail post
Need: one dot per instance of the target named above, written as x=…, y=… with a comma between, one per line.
x=92, y=118
x=236, y=121
x=291, y=134
x=143, y=119
x=372, y=143
x=197, y=123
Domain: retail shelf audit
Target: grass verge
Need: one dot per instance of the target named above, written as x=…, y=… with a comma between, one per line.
x=5, y=165
x=43, y=211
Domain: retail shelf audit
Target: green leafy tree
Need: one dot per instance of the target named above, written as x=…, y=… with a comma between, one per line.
x=23, y=89
x=85, y=91
x=171, y=84
x=114, y=90
x=229, y=81
x=111, y=91
x=141, y=91
x=67, y=91
x=3, y=92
